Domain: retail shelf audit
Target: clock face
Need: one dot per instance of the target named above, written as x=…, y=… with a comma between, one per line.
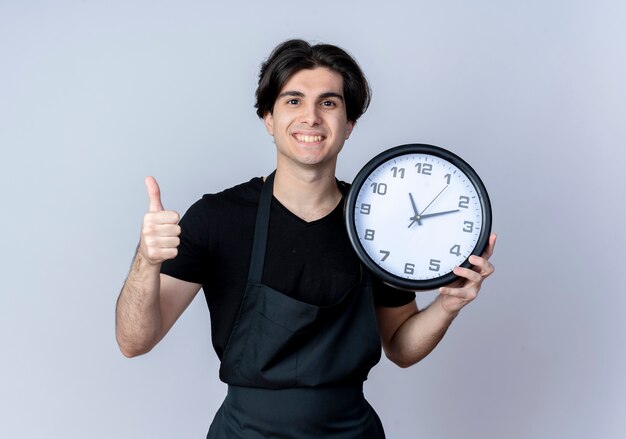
x=414, y=213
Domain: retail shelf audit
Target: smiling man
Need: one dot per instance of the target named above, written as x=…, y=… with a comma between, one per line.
x=297, y=322
x=309, y=126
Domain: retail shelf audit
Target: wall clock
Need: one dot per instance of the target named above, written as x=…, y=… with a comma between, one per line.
x=416, y=211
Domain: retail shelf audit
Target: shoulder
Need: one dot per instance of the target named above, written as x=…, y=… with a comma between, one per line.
x=225, y=212
x=242, y=195
x=215, y=207
x=244, y=192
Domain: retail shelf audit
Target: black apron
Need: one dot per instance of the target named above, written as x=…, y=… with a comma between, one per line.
x=296, y=370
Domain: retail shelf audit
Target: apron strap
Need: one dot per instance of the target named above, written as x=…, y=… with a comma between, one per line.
x=259, y=244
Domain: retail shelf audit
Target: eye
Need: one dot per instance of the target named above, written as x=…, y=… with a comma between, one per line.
x=329, y=104
x=293, y=101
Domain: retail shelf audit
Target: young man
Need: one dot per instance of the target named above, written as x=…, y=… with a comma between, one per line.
x=297, y=323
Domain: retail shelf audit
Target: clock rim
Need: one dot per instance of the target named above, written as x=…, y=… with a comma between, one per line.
x=378, y=160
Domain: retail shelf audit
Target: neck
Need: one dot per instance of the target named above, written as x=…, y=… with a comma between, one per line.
x=310, y=194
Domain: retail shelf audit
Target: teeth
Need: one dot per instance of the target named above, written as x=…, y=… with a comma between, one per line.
x=303, y=138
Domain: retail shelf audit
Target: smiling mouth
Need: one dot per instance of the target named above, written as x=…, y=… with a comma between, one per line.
x=308, y=139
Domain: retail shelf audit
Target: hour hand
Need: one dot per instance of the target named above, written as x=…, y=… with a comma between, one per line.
x=417, y=216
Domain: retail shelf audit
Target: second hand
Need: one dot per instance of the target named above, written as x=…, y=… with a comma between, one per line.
x=429, y=204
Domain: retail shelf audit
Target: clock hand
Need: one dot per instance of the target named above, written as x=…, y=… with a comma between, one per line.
x=418, y=217
x=429, y=204
x=439, y=213
x=417, y=214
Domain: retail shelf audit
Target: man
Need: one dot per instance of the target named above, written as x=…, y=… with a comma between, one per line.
x=297, y=322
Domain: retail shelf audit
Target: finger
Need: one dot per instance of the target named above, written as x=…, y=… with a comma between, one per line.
x=490, y=246
x=158, y=254
x=163, y=242
x=481, y=265
x=162, y=217
x=154, y=194
x=155, y=231
x=468, y=274
x=464, y=294
x=169, y=230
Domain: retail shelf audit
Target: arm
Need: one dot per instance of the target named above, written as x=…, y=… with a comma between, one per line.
x=408, y=335
x=150, y=302
x=148, y=306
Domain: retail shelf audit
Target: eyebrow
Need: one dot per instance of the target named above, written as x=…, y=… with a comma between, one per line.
x=328, y=94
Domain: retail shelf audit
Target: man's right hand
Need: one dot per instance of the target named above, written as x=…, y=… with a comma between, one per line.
x=160, y=231
x=150, y=302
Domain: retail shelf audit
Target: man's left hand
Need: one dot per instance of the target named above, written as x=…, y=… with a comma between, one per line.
x=455, y=296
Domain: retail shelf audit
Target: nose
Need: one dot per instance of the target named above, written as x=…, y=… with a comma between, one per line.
x=310, y=114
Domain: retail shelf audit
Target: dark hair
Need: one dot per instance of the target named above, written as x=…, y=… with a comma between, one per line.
x=294, y=55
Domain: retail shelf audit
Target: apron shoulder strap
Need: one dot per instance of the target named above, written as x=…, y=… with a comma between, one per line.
x=261, y=227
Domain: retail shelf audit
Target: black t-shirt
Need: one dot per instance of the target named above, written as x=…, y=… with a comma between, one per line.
x=310, y=261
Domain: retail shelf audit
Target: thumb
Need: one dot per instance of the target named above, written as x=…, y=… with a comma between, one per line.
x=154, y=194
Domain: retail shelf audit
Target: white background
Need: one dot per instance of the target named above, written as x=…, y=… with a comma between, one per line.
x=96, y=95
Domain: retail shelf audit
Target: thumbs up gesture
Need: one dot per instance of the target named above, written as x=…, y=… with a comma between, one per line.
x=160, y=230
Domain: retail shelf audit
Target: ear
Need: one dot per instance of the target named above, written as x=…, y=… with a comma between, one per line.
x=349, y=127
x=268, y=120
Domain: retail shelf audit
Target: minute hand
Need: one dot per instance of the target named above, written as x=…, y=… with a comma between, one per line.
x=439, y=213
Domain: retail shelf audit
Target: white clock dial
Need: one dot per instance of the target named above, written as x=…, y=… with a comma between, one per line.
x=418, y=215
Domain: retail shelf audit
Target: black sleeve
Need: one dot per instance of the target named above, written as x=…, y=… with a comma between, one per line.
x=192, y=259
x=384, y=295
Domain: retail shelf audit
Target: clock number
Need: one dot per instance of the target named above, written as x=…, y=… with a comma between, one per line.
x=469, y=226
x=464, y=202
x=386, y=253
x=455, y=250
x=435, y=265
x=397, y=172
x=369, y=234
x=365, y=208
x=447, y=177
x=424, y=168
x=379, y=188
x=409, y=268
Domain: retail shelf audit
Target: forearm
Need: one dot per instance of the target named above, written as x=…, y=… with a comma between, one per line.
x=408, y=335
x=419, y=334
x=138, y=312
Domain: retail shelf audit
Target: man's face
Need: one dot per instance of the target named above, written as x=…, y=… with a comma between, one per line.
x=309, y=121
